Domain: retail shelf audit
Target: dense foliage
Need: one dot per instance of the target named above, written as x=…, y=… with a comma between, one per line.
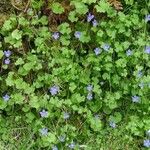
x=73, y=72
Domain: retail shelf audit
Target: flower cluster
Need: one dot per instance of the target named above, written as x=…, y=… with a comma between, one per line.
x=7, y=54
x=44, y=113
x=90, y=94
x=91, y=17
x=54, y=147
x=77, y=34
x=106, y=47
x=129, y=52
x=147, y=49
x=54, y=90
x=44, y=131
x=147, y=18
x=135, y=99
x=146, y=143
x=56, y=35
x=66, y=115
x=6, y=97
x=112, y=124
x=97, y=51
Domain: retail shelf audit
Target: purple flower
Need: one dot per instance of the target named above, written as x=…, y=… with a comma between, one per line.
x=77, y=34
x=66, y=115
x=89, y=17
x=129, y=52
x=95, y=23
x=112, y=124
x=135, y=99
x=55, y=35
x=44, y=131
x=7, y=61
x=147, y=49
x=147, y=18
x=106, y=47
x=89, y=87
x=146, y=143
x=55, y=148
x=44, y=113
x=6, y=97
x=54, y=90
x=97, y=51
x=7, y=53
x=71, y=145
x=90, y=96
x=62, y=138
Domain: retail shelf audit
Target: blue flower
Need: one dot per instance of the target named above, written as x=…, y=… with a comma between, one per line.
x=56, y=35
x=7, y=53
x=146, y=143
x=135, y=99
x=66, y=115
x=97, y=51
x=106, y=47
x=44, y=113
x=54, y=90
x=139, y=74
x=147, y=49
x=90, y=96
x=54, y=148
x=129, y=52
x=89, y=17
x=62, y=138
x=147, y=18
x=6, y=97
x=89, y=87
x=95, y=23
x=7, y=61
x=77, y=34
x=71, y=145
x=97, y=116
x=44, y=131
x=112, y=124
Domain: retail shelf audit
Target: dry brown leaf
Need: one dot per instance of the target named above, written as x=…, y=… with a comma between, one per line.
x=116, y=3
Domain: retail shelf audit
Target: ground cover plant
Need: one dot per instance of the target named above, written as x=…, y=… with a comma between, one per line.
x=75, y=74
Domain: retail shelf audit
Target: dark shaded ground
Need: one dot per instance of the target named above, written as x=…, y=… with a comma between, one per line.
x=5, y=10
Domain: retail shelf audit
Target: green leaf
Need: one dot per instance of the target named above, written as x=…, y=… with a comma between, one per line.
x=64, y=28
x=57, y=8
x=28, y=66
x=84, y=37
x=16, y=34
x=103, y=6
x=89, y=1
x=19, y=61
x=18, y=98
x=34, y=102
x=117, y=117
x=72, y=16
x=81, y=8
x=72, y=86
x=1, y=54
